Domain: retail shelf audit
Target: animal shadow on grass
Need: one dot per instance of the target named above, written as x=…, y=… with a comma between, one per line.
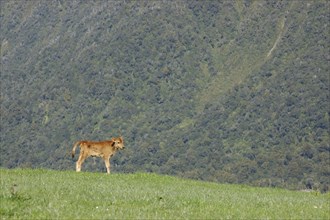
x=15, y=195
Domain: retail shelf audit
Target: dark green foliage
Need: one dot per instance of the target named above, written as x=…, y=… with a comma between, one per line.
x=229, y=91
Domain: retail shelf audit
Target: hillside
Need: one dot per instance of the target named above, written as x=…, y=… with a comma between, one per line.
x=226, y=91
x=46, y=194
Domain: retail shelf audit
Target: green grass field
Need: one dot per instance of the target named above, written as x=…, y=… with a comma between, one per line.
x=47, y=194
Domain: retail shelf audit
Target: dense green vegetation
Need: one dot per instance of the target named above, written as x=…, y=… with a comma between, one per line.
x=225, y=91
x=45, y=194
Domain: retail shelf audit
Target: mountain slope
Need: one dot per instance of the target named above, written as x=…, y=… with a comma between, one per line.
x=231, y=91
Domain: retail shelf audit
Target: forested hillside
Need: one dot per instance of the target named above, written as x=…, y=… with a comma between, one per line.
x=227, y=91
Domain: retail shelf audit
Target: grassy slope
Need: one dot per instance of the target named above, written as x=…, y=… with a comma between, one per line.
x=68, y=195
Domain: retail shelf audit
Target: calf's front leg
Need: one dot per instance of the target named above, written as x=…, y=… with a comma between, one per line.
x=107, y=164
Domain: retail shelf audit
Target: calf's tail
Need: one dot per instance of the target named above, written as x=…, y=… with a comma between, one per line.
x=74, y=148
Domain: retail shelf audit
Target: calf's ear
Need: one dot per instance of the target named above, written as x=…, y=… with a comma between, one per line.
x=113, y=143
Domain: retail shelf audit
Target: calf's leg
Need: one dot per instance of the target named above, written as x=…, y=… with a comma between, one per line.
x=80, y=161
x=107, y=164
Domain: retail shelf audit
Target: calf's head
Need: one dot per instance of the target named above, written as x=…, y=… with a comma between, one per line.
x=118, y=143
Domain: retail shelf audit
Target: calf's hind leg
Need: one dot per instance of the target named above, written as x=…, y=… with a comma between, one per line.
x=81, y=159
